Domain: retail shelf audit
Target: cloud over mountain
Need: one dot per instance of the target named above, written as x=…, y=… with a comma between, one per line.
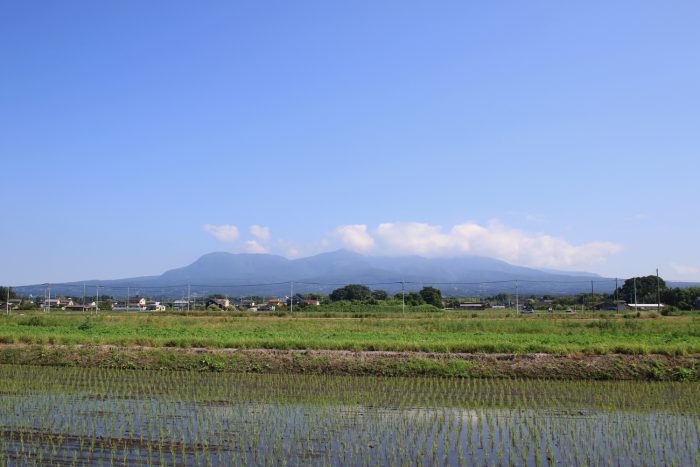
x=223, y=233
x=495, y=240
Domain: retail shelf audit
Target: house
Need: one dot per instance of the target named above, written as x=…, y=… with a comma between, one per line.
x=181, y=305
x=133, y=304
x=61, y=303
x=296, y=300
x=137, y=302
x=116, y=306
x=51, y=303
x=91, y=306
x=312, y=302
x=266, y=307
x=152, y=305
x=644, y=306
x=14, y=303
x=472, y=306
x=221, y=303
x=610, y=306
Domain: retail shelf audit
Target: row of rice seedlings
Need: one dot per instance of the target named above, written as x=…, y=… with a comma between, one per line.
x=74, y=416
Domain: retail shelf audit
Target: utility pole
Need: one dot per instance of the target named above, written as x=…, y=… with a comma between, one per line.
x=83, y=297
x=635, y=293
x=7, y=302
x=128, y=293
x=49, y=287
x=97, y=298
x=188, y=297
x=658, y=291
x=592, y=295
x=291, y=296
x=617, y=303
x=517, y=297
x=403, y=297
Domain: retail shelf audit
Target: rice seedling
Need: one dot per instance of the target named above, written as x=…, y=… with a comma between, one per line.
x=96, y=416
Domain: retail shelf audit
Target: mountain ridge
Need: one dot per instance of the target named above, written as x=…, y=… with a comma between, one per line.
x=268, y=274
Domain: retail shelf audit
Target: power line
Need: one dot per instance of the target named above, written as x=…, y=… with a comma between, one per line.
x=324, y=284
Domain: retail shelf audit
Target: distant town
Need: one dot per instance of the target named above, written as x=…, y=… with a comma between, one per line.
x=637, y=294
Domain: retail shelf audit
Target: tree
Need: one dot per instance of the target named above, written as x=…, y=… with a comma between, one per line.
x=379, y=294
x=414, y=299
x=352, y=292
x=27, y=305
x=683, y=298
x=431, y=296
x=500, y=299
x=646, y=289
x=3, y=293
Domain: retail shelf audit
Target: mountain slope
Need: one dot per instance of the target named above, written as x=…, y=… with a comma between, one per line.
x=256, y=274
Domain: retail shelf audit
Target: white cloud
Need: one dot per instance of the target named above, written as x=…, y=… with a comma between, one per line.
x=252, y=246
x=413, y=238
x=288, y=248
x=494, y=240
x=261, y=233
x=355, y=237
x=683, y=269
x=223, y=233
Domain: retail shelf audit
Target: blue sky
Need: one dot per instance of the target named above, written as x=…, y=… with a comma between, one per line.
x=136, y=136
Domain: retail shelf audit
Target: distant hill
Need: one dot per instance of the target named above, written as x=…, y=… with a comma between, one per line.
x=265, y=274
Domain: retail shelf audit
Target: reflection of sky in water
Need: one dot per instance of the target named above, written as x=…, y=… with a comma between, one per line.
x=305, y=433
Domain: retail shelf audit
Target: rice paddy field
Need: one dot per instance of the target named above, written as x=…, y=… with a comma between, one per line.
x=96, y=416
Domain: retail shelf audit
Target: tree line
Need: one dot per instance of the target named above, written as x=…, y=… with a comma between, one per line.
x=362, y=293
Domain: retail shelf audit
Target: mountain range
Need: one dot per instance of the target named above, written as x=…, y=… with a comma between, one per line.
x=265, y=274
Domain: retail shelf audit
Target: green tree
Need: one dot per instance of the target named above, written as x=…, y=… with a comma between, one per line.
x=431, y=296
x=683, y=298
x=500, y=299
x=379, y=294
x=352, y=292
x=3, y=293
x=413, y=299
x=27, y=305
x=646, y=289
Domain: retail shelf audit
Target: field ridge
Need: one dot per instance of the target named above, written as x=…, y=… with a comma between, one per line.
x=381, y=363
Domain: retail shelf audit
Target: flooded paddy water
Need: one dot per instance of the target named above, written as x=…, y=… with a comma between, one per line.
x=91, y=416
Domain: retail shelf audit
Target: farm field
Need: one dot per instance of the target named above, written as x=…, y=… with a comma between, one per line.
x=93, y=416
x=424, y=332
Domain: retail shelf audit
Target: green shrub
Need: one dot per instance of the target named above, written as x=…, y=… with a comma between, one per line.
x=86, y=325
x=682, y=374
x=33, y=321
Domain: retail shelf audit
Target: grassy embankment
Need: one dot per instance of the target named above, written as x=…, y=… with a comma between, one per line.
x=579, y=346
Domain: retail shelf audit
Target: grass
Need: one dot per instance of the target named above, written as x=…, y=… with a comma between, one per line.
x=445, y=332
